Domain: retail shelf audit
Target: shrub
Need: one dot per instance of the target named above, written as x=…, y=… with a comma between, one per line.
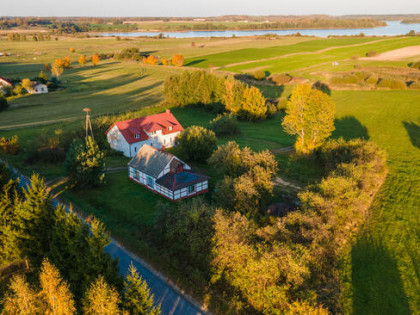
x=258, y=75
x=67, y=62
x=151, y=60
x=415, y=65
x=371, y=53
x=224, y=125
x=415, y=85
x=72, y=50
x=253, y=105
x=345, y=79
x=197, y=143
x=18, y=90
x=323, y=87
x=3, y=103
x=82, y=60
x=392, y=84
x=27, y=85
x=281, y=79
x=129, y=54
x=166, y=62
x=362, y=75
x=372, y=80
x=282, y=104
x=95, y=59
x=9, y=145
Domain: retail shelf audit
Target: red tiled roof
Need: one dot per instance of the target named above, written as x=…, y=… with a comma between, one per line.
x=139, y=126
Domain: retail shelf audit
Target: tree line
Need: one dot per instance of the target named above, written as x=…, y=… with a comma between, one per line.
x=69, y=265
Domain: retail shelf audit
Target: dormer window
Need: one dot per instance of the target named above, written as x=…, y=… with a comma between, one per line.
x=170, y=128
x=136, y=136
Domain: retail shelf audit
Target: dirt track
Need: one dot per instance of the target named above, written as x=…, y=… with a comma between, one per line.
x=397, y=54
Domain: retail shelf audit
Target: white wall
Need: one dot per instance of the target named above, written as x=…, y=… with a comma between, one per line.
x=117, y=141
x=182, y=193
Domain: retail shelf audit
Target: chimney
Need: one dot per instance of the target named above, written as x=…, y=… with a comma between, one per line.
x=168, y=111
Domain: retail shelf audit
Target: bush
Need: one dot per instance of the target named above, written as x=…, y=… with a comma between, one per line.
x=197, y=143
x=72, y=50
x=129, y=54
x=392, y=84
x=258, y=75
x=225, y=125
x=253, y=106
x=372, y=80
x=18, y=90
x=346, y=79
x=9, y=145
x=415, y=65
x=3, y=103
x=281, y=79
x=282, y=104
x=323, y=87
x=371, y=53
x=415, y=85
x=178, y=60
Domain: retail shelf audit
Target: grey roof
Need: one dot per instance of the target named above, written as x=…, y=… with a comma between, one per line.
x=150, y=160
x=175, y=181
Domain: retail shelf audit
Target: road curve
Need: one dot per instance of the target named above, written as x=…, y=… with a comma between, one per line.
x=171, y=299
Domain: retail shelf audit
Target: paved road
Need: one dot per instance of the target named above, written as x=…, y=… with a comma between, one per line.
x=171, y=299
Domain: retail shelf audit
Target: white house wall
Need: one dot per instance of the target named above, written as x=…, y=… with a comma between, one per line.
x=182, y=193
x=117, y=141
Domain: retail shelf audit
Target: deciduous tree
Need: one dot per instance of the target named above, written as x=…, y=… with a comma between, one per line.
x=67, y=62
x=253, y=105
x=310, y=116
x=178, y=60
x=82, y=60
x=95, y=59
x=197, y=143
x=28, y=85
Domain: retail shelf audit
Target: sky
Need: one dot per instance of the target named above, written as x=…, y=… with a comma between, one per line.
x=204, y=7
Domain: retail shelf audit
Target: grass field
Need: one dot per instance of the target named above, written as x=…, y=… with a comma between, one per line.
x=383, y=273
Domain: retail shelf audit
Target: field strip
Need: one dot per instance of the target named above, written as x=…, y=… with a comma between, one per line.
x=37, y=123
x=397, y=54
x=301, y=53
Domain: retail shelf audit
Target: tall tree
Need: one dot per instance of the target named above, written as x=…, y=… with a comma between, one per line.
x=55, y=294
x=57, y=68
x=310, y=116
x=178, y=60
x=95, y=59
x=137, y=299
x=253, y=105
x=21, y=299
x=101, y=299
x=82, y=60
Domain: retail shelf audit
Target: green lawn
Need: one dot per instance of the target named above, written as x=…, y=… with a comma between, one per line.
x=300, y=61
x=240, y=55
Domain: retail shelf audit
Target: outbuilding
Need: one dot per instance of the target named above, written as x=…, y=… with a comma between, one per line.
x=165, y=174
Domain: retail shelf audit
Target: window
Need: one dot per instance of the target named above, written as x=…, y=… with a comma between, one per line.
x=136, y=136
x=150, y=182
x=170, y=128
x=164, y=141
x=191, y=189
x=137, y=175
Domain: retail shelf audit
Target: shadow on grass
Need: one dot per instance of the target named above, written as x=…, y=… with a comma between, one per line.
x=195, y=62
x=348, y=127
x=413, y=131
x=377, y=285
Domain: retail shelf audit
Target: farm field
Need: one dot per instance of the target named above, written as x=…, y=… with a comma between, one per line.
x=383, y=270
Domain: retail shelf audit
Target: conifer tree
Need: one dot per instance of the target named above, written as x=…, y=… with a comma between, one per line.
x=137, y=299
x=101, y=299
x=21, y=298
x=55, y=294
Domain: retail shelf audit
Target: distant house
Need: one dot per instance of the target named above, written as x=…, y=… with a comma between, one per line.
x=165, y=174
x=5, y=82
x=159, y=131
x=39, y=88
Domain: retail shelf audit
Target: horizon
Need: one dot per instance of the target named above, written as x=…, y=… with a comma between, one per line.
x=188, y=8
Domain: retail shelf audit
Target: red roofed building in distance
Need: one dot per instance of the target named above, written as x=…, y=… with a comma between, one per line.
x=159, y=130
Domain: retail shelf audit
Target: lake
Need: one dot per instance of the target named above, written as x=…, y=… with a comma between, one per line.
x=393, y=28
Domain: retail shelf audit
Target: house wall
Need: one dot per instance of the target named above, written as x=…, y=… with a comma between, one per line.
x=117, y=141
x=141, y=178
x=167, y=168
x=158, y=139
x=40, y=89
x=183, y=193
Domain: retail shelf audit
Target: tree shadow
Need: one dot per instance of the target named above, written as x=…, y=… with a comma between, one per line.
x=413, y=131
x=195, y=62
x=348, y=127
x=376, y=281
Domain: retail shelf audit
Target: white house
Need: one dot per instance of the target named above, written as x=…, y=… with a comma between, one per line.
x=5, y=82
x=39, y=88
x=165, y=174
x=159, y=131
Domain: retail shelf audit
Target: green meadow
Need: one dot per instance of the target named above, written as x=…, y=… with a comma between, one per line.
x=383, y=270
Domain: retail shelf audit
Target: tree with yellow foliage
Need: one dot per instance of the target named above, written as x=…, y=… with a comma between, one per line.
x=101, y=299
x=67, y=62
x=165, y=61
x=310, y=116
x=178, y=60
x=95, y=59
x=28, y=85
x=252, y=105
x=82, y=60
x=151, y=60
x=72, y=50
x=55, y=295
x=57, y=68
x=21, y=298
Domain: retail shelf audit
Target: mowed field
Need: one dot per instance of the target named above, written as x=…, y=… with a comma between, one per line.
x=383, y=271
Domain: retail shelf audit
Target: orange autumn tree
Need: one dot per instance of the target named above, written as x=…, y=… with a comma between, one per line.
x=178, y=60
x=151, y=60
x=165, y=61
x=95, y=59
x=82, y=60
x=67, y=62
x=57, y=68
